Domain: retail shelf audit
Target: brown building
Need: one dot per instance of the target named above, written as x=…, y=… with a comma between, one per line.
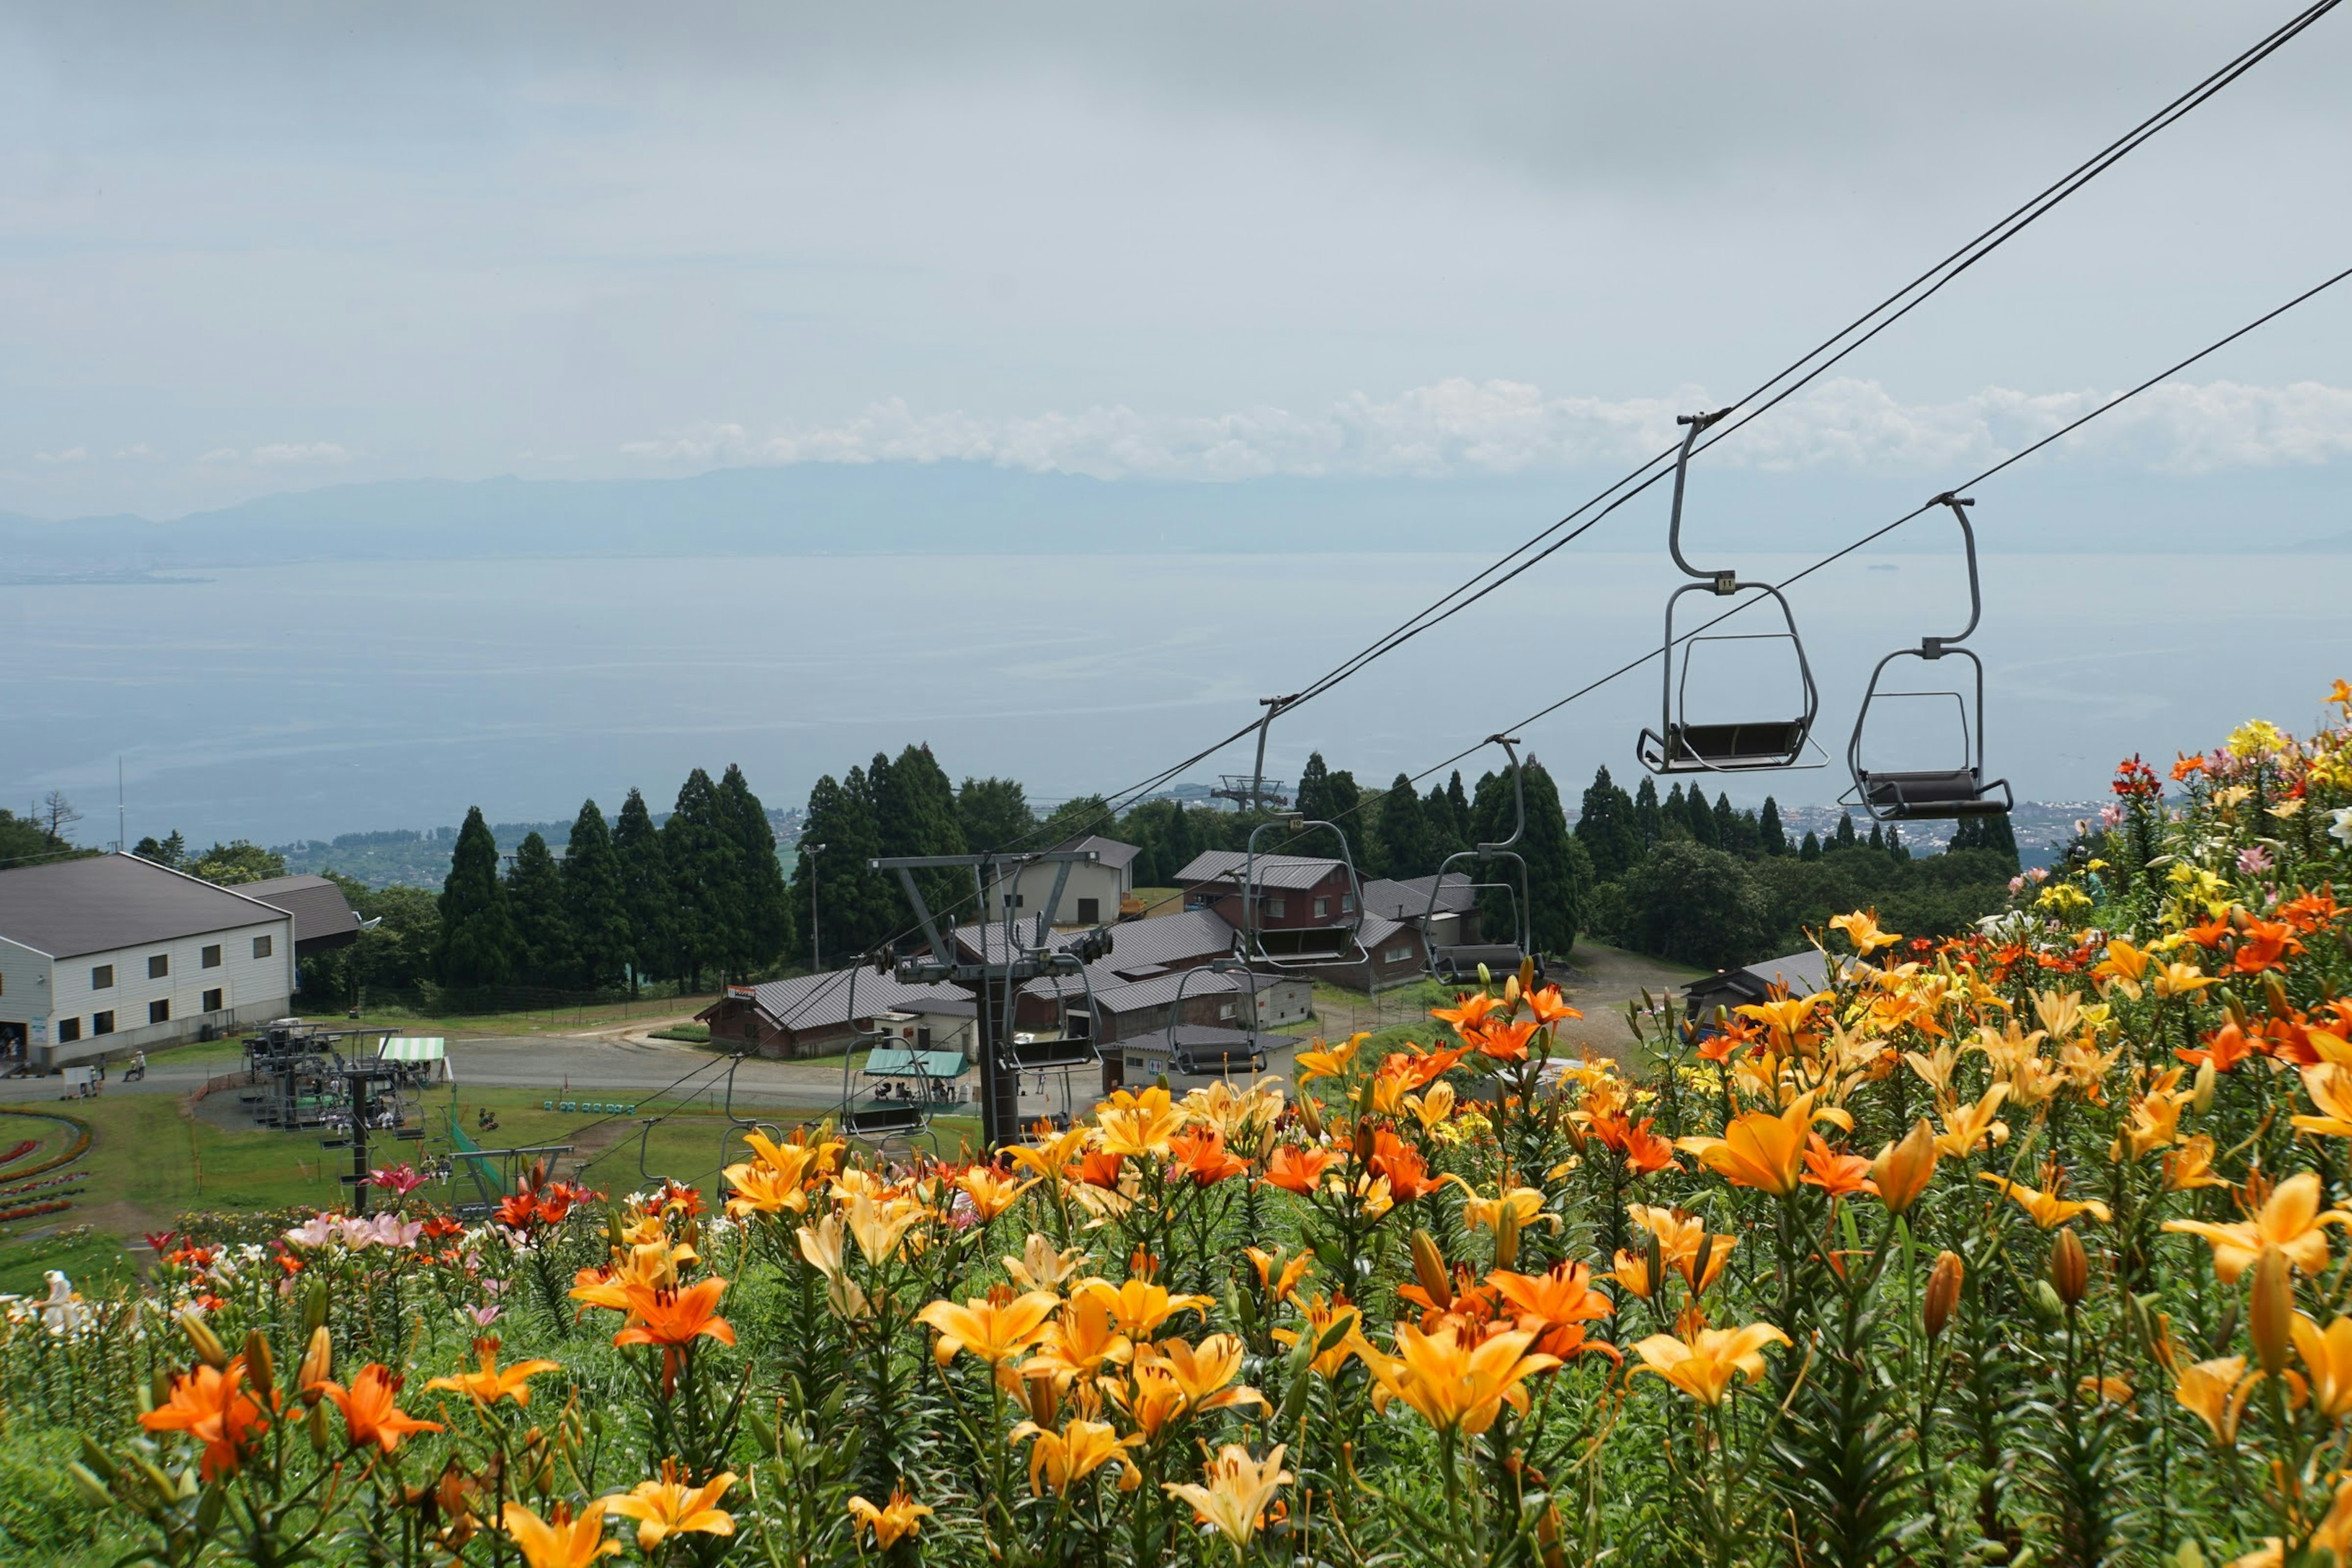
x=811, y=1015
x=1308, y=918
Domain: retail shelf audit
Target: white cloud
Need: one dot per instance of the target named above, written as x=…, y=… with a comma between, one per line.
x=70, y=455
x=138, y=452
x=1458, y=427
x=222, y=454
x=282, y=453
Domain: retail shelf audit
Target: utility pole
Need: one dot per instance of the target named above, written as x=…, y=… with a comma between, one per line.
x=817, y=964
x=1007, y=958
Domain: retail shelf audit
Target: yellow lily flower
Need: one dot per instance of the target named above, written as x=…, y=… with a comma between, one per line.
x=1966, y=1127
x=2122, y=969
x=1047, y=1158
x=1138, y=1125
x=2048, y=1210
x=757, y=1187
x=1704, y=1366
x=1332, y=1062
x=1140, y=1306
x=2177, y=979
x=991, y=1192
x=2326, y=1356
x=2216, y=1392
x=2290, y=1220
x=669, y=1507
x=1861, y=928
x=894, y=1521
x=1456, y=1385
x=993, y=1330
x=1062, y=1459
x=1279, y=1276
x=492, y=1383
x=1238, y=1492
x=879, y=1227
x=1317, y=1316
x=2330, y=1088
x=562, y=1541
x=1040, y=1268
x=1759, y=1149
x=2190, y=1166
x=1081, y=1340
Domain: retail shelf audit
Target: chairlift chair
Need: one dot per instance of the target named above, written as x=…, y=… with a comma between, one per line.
x=1456, y=963
x=1680, y=746
x=1182, y=1059
x=1064, y=1053
x=1914, y=794
x=864, y=1113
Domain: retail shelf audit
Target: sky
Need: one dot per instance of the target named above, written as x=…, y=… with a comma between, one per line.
x=253, y=248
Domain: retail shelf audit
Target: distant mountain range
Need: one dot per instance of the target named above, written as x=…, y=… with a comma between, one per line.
x=964, y=507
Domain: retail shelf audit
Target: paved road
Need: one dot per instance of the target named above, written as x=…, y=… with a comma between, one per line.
x=650, y=1071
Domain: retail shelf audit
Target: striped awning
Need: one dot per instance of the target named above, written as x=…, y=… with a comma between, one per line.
x=415, y=1049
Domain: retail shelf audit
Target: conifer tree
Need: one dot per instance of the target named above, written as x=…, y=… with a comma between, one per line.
x=534, y=892
x=1560, y=873
x=1877, y=836
x=478, y=937
x=704, y=894
x=1605, y=827
x=1457, y=833
x=1699, y=817
x=915, y=813
x=1727, y=825
x=1325, y=795
x=645, y=892
x=854, y=909
x=1772, y=837
x=1181, y=845
x=1811, y=850
x=1443, y=830
x=1401, y=847
x=1648, y=820
x=596, y=904
x=762, y=929
x=1845, y=837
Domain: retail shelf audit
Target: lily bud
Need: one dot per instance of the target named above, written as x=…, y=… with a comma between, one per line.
x=314, y=1308
x=1429, y=1268
x=258, y=1366
x=1943, y=1292
x=1507, y=1237
x=2201, y=1097
x=2271, y=1318
x=1311, y=1114
x=318, y=1365
x=1904, y=1170
x=92, y=1490
x=2070, y=1268
x=209, y=1349
x=315, y=1428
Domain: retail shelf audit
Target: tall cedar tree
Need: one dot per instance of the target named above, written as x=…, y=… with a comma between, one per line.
x=835, y=896
x=596, y=904
x=1455, y=833
x=645, y=892
x=994, y=813
x=915, y=813
x=762, y=931
x=1647, y=819
x=1774, y=838
x=1560, y=873
x=478, y=937
x=1325, y=795
x=705, y=893
x=1606, y=828
x=535, y=901
x=1811, y=850
x=1846, y=838
x=1401, y=847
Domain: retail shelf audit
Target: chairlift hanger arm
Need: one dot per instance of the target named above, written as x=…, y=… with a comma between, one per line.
x=1723, y=581
x=1935, y=648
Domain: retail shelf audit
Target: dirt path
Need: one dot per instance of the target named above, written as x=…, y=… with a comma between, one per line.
x=1602, y=979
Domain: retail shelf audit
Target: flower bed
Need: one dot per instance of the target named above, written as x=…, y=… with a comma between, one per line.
x=2021, y=1246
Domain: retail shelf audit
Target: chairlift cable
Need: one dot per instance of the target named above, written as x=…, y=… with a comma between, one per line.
x=1797, y=375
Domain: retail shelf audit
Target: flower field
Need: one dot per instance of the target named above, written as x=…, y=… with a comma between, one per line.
x=2028, y=1247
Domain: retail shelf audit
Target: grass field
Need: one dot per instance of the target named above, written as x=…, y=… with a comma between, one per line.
x=151, y=1160
x=569, y=1018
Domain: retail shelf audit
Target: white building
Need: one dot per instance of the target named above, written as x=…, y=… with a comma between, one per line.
x=110, y=953
x=1092, y=895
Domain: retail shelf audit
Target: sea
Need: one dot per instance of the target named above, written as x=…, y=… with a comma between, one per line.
x=305, y=700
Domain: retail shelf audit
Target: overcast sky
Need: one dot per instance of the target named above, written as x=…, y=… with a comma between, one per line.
x=248, y=248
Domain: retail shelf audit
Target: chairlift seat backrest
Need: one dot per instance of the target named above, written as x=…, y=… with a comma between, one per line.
x=1319, y=943
x=883, y=1116
x=1459, y=966
x=1752, y=744
x=1945, y=793
x=1052, y=1055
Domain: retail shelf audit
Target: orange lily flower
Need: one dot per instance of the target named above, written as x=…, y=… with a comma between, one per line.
x=211, y=1405
x=1835, y=1174
x=1704, y=1366
x=2048, y=1210
x=1759, y=1149
x=1407, y=1176
x=674, y=1318
x=368, y=1414
x=669, y=1507
x=491, y=1384
x=1137, y=1124
x=1456, y=1382
x=564, y=1540
x=1202, y=1156
x=894, y=1521
x=1556, y=1305
x=1062, y=1459
x=1278, y=1276
x=995, y=1328
x=1298, y=1170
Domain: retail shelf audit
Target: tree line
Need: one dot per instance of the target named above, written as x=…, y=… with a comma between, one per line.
x=908, y=805
x=1710, y=885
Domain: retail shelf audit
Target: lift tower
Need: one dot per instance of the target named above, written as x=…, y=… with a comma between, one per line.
x=1009, y=958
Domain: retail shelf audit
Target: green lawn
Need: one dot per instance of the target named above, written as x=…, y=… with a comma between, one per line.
x=565, y=1019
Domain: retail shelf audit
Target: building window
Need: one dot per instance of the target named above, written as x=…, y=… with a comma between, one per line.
x=159, y=1011
x=1274, y=908
x=261, y=945
x=1396, y=956
x=211, y=956
x=102, y=977
x=213, y=1000
x=68, y=1031
x=102, y=1023
x=1089, y=911
x=1347, y=903
x=159, y=965
x=1322, y=908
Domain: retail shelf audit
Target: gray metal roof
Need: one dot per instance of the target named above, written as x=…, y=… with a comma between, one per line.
x=1407, y=898
x=321, y=914
x=67, y=908
x=1115, y=995
x=1802, y=973
x=1227, y=866
x=823, y=1001
x=1108, y=852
